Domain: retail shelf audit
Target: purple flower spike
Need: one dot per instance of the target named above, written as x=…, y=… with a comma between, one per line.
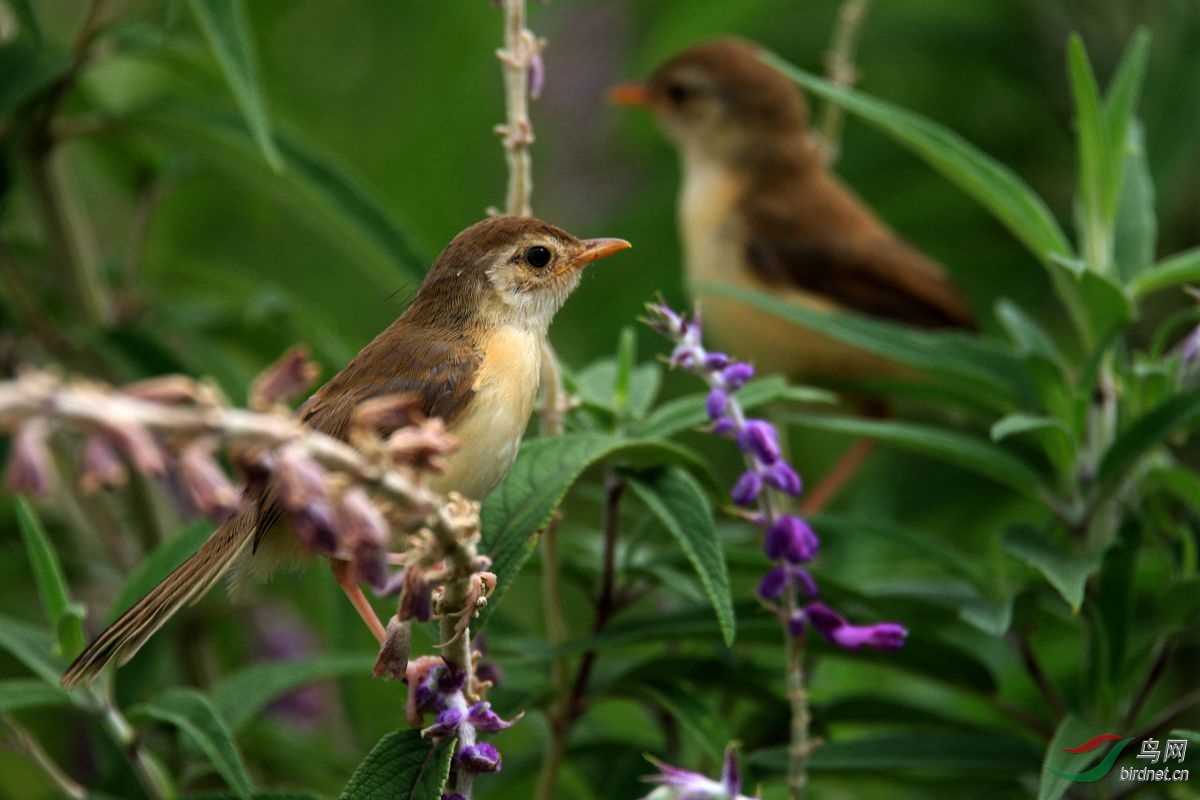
x=681, y=784
x=482, y=757
x=781, y=476
x=723, y=427
x=804, y=581
x=747, y=489
x=731, y=773
x=486, y=720
x=796, y=622
x=447, y=722
x=773, y=583
x=716, y=361
x=716, y=404
x=759, y=437
x=455, y=796
x=791, y=539
x=736, y=375
x=834, y=627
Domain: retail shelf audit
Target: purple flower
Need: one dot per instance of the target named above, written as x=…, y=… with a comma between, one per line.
x=747, y=488
x=778, y=579
x=781, y=476
x=716, y=404
x=834, y=627
x=446, y=723
x=736, y=375
x=675, y=783
x=482, y=757
x=796, y=622
x=716, y=361
x=791, y=539
x=484, y=719
x=723, y=427
x=759, y=438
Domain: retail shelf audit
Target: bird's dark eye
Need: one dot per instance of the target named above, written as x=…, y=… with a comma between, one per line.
x=677, y=93
x=538, y=256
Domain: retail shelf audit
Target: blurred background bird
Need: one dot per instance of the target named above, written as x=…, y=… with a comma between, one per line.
x=759, y=208
x=468, y=349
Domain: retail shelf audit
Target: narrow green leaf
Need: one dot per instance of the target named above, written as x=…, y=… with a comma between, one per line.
x=626, y=361
x=685, y=707
x=19, y=693
x=31, y=646
x=1051, y=433
x=27, y=26
x=980, y=368
x=191, y=712
x=1120, y=104
x=51, y=583
x=1028, y=336
x=227, y=31
x=596, y=386
x=1147, y=432
x=966, y=451
x=674, y=497
x=241, y=696
x=993, y=185
x=1172, y=271
x=992, y=618
x=916, y=542
x=934, y=751
x=1136, y=232
x=1095, y=172
x=402, y=766
x=539, y=479
x=1071, y=732
x=158, y=565
x=27, y=69
x=1067, y=573
x=315, y=184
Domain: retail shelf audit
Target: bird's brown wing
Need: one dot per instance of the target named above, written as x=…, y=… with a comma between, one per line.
x=817, y=236
x=437, y=369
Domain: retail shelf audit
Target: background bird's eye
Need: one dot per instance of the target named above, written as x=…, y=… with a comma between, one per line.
x=537, y=256
x=677, y=93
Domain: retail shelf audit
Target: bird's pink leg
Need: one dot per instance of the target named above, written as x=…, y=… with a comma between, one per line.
x=342, y=571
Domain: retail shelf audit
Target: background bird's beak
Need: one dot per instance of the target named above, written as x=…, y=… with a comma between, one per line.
x=630, y=94
x=595, y=249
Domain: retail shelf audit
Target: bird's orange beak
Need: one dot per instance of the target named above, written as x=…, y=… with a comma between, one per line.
x=630, y=94
x=596, y=249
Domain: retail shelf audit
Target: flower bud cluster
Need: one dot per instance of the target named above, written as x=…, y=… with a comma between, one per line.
x=675, y=783
x=788, y=588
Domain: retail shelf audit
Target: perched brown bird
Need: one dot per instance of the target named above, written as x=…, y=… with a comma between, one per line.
x=760, y=209
x=468, y=346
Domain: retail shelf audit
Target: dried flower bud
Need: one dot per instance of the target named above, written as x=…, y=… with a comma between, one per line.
x=299, y=479
x=138, y=445
x=30, y=463
x=171, y=390
x=101, y=467
x=389, y=412
x=393, y=655
x=208, y=487
x=417, y=600
x=289, y=377
x=422, y=446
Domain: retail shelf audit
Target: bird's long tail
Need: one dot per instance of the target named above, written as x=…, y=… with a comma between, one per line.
x=188, y=583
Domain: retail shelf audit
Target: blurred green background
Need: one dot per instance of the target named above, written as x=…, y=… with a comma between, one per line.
x=234, y=267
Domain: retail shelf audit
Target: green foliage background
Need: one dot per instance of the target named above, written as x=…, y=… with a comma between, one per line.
x=238, y=263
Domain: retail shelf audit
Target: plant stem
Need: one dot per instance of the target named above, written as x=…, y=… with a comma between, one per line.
x=839, y=68
x=151, y=774
x=1037, y=674
x=800, y=747
x=519, y=50
x=24, y=742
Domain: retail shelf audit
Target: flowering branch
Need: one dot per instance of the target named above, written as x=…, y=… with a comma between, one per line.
x=788, y=540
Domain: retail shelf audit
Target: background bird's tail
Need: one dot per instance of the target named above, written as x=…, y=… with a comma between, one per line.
x=188, y=583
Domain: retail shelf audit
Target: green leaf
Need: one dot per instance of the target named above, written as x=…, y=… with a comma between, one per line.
x=934, y=751
x=19, y=693
x=241, y=696
x=65, y=617
x=191, y=712
x=686, y=707
x=539, y=479
x=966, y=451
x=227, y=31
x=1071, y=732
x=402, y=766
x=285, y=794
x=1136, y=225
x=687, y=412
x=314, y=183
x=597, y=387
x=979, y=368
x=992, y=618
x=28, y=70
x=674, y=497
x=626, y=360
x=1095, y=169
x=1120, y=105
x=1050, y=432
x=158, y=565
x=1029, y=337
x=993, y=185
x=1148, y=431
x=1067, y=573
x=31, y=646
x=915, y=542
x=1171, y=271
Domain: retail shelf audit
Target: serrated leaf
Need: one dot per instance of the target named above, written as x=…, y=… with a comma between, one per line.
x=966, y=451
x=1147, y=432
x=539, y=479
x=158, y=565
x=19, y=693
x=225, y=28
x=980, y=368
x=402, y=766
x=314, y=183
x=1066, y=572
x=243, y=695
x=31, y=646
x=1174, y=270
x=674, y=497
x=191, y=712
x=62, y=615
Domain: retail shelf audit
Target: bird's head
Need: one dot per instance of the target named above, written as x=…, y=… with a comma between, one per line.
x=507, y=270
x=719, y=99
